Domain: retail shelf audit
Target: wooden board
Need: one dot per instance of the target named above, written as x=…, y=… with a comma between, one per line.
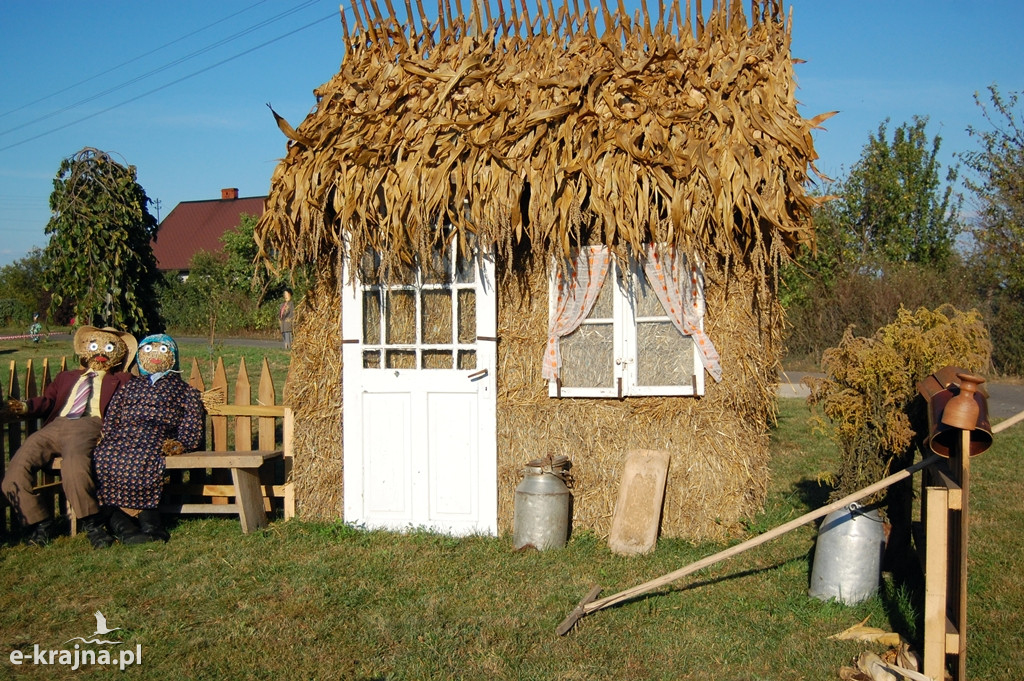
x=638, y=509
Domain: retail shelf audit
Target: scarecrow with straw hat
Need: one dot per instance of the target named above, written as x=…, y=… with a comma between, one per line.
x=73, y=406
x=156, y=414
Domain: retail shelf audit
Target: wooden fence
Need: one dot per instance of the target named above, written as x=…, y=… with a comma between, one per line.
x=246, y=433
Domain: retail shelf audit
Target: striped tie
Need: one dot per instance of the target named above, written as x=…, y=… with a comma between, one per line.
x=82, y=397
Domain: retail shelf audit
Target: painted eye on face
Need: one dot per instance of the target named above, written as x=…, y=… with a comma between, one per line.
x=147, y=348
x=164, y=348
x=109, y=347
x=94, y=346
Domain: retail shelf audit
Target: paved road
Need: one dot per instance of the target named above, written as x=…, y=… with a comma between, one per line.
x=1004, y=399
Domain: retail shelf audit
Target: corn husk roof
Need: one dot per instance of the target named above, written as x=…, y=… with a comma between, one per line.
x=552, y=126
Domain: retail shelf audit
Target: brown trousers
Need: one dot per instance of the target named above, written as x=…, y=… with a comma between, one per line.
x=74, y=440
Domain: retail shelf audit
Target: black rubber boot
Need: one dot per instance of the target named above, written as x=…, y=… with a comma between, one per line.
x=126, y=530
x=42, y=533
x=150, y=523
x=96, y=529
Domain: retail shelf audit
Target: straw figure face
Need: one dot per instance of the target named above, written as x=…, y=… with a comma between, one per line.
x=157, y=354
x=104, y=349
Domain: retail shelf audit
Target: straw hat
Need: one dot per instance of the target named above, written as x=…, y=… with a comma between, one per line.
x=82, y=336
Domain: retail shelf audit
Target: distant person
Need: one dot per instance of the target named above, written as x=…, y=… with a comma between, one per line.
x=36, y=329
x=285, y=317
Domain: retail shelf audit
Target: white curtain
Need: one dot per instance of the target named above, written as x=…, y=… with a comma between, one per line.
x=578, y=289
x=679, y=285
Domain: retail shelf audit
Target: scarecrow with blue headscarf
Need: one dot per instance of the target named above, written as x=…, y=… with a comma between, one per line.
x=156, y=414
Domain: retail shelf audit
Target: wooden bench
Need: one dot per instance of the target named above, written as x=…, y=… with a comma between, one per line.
x=257, y=476
x=215, y=477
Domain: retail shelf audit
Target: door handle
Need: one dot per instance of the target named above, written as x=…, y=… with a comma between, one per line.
x=477, y=375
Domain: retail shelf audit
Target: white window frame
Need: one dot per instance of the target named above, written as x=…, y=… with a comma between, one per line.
x=624, y=341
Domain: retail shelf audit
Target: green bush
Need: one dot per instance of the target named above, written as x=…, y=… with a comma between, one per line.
x=14, y=313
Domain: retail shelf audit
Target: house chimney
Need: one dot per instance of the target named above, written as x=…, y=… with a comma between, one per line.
x=229, y=194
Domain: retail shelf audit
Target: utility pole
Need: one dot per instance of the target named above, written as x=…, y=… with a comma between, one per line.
x=156, y=204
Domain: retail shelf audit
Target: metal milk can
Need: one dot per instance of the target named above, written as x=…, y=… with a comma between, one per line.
x=848, y=555
x=542, y=501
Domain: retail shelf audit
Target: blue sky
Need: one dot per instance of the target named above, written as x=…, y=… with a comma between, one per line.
x=179, y=89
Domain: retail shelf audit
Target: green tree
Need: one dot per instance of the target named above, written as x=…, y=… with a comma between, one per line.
x=998, y=186
x=896, y=209
x=997, y=255
x=22, y=281
x=885, y=239
x=227, y=290
x=99, y=254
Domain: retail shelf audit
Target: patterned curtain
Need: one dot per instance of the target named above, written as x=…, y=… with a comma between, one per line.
x=578, y=289
x=679, y=285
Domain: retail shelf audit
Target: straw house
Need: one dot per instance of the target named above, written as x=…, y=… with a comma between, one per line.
x=541, y=232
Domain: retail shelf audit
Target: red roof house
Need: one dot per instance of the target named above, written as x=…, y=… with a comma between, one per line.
x=195, y=226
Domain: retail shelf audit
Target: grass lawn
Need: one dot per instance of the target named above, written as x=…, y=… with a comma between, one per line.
x=304, y=600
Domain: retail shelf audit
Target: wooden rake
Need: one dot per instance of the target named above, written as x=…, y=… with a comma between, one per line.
x=589, y=604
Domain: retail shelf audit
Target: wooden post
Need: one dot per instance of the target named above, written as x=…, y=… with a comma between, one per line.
x=936, y=519
x=962, y=470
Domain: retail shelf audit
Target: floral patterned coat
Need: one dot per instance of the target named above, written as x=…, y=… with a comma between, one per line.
x=129, y=460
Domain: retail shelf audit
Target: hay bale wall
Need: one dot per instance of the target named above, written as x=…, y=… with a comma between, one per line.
x=719, y=443
x=313, y=389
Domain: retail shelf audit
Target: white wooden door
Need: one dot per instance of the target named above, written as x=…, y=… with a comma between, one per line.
x=419, y=400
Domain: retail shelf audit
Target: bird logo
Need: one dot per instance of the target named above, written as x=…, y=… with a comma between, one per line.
x=101, y=630
x=101, y=625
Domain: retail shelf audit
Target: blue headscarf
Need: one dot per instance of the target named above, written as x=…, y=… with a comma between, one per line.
x=164, y=339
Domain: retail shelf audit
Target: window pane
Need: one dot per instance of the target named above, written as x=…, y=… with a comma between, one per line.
x=371, y=317
x=467, y=359
x=465, y=272
x=401, y=321
x=603, y=306
x=437, y=317
x=664, y=356
x=647, y=303
x=401, y=359
x=437, y=359
x=440, y=269
x=368, y=265
x=587, y=357
x=467, y=316
x=371, y=359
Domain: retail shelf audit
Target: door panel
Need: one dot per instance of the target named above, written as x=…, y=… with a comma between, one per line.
x=386, y=453
x=419, y=383
x=452, y=456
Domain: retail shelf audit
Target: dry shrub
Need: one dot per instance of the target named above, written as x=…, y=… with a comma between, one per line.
x=867, y=399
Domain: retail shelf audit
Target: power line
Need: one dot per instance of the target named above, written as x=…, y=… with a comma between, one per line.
x=160, y=69
x=167, y=85
x=130, y=61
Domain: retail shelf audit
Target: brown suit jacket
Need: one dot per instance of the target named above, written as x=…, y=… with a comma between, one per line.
x=58, y=392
